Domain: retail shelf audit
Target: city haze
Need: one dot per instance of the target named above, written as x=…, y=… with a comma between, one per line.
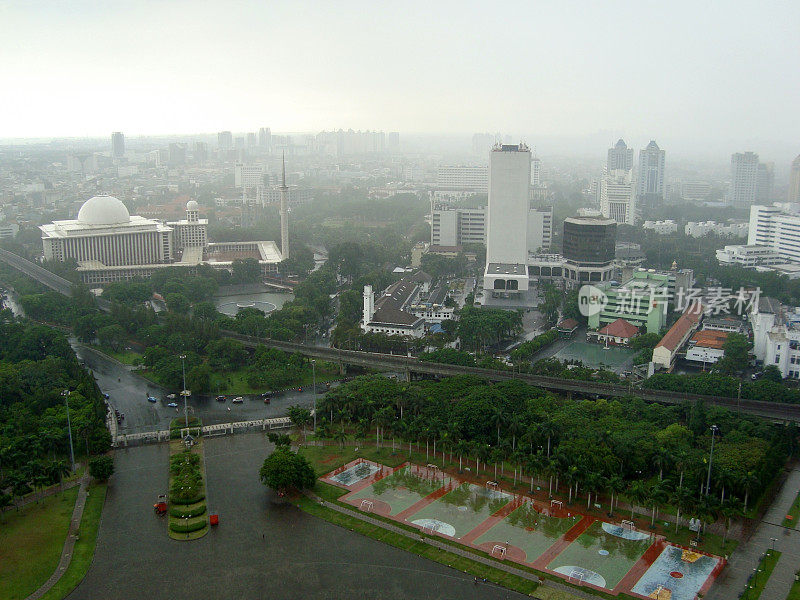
x=685, y=73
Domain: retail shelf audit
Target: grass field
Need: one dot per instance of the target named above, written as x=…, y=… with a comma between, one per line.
x=83, y=552
x=757, y=583
x=794, y=513
x=31, y=541
x=128, y=357
x=794, y=593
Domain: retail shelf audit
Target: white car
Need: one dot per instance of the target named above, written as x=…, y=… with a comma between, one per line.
x=238, y=400
x=173, y=405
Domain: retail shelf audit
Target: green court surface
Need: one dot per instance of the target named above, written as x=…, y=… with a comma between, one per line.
x=399, y=490
x=461, y=510
x=596, y=355
x=602, y=558
x=528, y=530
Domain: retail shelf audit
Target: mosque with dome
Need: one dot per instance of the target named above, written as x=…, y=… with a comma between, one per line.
x=110, y=244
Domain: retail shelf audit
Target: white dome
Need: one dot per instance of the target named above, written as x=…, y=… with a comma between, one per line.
x=103, y=210
x=192, y=205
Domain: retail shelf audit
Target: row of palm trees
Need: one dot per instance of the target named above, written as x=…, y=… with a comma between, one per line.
x=548, y=464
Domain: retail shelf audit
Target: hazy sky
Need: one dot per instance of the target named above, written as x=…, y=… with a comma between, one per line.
x=690, y=70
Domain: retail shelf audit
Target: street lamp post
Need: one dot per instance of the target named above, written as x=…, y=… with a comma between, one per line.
x=714, y=430
x=314, y=391
x=66, y=394
x=773, y=540
x=183, y=392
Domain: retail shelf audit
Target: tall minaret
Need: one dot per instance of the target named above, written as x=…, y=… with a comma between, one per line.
x=284, y=213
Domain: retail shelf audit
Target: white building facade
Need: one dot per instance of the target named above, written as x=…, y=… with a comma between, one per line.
x=474, y=178
x=617, y=197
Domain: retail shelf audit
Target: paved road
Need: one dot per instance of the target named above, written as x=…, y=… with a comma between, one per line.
x=299, y=556
x=129, y=393
x=747, y=556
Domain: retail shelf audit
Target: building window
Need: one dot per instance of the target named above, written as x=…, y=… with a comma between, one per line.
x=777, y=358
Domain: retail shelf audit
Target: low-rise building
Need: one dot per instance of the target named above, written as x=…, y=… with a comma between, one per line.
x=661, y=227
x=705, y=346
x=666, y=351
x=748, y=256
x=704, y=228
x=618, y=333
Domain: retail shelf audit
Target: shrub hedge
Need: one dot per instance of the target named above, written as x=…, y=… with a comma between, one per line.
x=188, y=528
x=193, y=500
x=182, y=513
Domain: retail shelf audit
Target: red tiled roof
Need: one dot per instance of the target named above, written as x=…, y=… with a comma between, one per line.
x=678, y=332
x=620, y=328
x=710, y=338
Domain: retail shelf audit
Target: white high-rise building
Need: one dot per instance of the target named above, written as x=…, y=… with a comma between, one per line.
x=536, y=172
x=248, y=176
x=117, y=144
x=617, y=197
x=744, y=179
x=463, y=178
x=507, y=237
x=776, y=227
x=456, y=226
x=540, y=229
x=650, y=187
x=620, y=157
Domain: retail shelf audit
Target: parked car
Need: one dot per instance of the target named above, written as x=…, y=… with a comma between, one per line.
x=267, y=394
x=220, y=398
x=238, y=400
x=173, y=405
x=106, y=396
x=171, y=396
x=152, y=399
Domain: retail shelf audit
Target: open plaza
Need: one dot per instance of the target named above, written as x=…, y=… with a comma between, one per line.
x=613, y=557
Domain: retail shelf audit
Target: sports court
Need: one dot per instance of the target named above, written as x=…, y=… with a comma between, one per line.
x=527, y=528
x=583, y=550
x=398, y=491
x=460, y=510
x=602, y=555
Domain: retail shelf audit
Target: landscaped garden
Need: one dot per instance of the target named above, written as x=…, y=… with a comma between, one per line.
x=188, y=518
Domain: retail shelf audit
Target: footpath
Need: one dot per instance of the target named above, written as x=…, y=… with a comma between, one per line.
x=69, y=543
x=769, y=533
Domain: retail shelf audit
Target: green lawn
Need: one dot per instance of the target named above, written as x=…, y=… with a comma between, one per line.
x=794, y=593
x=31, y=541
x=757, y=583
x=235, y=382
x=794, y=512
x=128, y=357
x=83, y=551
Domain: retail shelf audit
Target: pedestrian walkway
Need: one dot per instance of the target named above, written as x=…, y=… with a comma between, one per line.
x=769, y=533
x=51, y=491
x=69, y=543
x=454, y=549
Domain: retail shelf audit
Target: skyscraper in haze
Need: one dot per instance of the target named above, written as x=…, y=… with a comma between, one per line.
x=265, y=137
x=744, y=179
x=650, y=185
x=225, y=140
x=618, y=197
x=117, y=144
x=620, y=157
x=765, y=182
x=794, y=181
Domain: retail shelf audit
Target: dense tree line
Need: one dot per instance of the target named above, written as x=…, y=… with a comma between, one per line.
x=654, y=454
x=37, y=366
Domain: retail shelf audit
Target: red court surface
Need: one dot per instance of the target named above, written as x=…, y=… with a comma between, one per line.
x=520, y=529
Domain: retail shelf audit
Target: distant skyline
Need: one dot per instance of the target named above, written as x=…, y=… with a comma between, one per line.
x=683, y=73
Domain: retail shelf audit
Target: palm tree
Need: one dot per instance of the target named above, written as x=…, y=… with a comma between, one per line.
x=549, y=430
x=341, y=436
x=515, y=428
x=571, y=477
x=534, y=464
x=461, y=448
x=684, y=501
x=482, y=453
x=662, y=458
x=658, y=496
x=708, y=510
x=732, y=508
x=615, y=484
x=496, y=456
x=638, y=495
x=516, y=459
x=593, y=483
x=497, y=419
x=748, y=482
